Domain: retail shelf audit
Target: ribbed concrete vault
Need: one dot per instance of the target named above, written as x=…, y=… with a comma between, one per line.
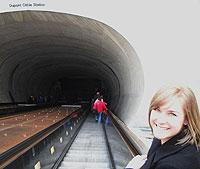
x=39, y=48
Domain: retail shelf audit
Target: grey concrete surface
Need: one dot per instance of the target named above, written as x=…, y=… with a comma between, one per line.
x=39, y=48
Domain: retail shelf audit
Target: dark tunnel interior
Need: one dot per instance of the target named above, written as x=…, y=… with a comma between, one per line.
x=69, y=58
x=74, y=89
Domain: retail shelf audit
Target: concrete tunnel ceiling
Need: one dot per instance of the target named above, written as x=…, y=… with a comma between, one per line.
x=37, y=48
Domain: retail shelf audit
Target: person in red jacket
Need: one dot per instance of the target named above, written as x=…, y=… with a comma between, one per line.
x=100, y=107
x=105, y=114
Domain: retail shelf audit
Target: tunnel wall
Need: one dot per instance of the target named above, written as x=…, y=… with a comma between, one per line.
x=37, y=48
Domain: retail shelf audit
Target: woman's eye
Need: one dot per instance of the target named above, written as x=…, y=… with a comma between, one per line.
x=172, y=114
x=157, y=109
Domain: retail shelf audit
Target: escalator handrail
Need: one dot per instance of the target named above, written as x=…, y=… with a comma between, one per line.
x=134, y=144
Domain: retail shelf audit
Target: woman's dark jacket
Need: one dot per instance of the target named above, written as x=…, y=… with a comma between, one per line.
x=172, y=156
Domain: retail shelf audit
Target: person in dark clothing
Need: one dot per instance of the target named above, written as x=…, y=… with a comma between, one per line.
x=174, y=120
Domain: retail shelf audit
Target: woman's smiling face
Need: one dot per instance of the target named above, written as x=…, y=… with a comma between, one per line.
x=167, y=121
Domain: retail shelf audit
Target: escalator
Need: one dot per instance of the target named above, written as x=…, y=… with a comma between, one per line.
x=73, y=141
x=89, y=149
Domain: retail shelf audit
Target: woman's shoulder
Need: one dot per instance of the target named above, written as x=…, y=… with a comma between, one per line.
x=190, y=151
x=167, y=166
x=188, y=157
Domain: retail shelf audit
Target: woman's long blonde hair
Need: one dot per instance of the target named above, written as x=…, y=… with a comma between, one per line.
x=190, y=109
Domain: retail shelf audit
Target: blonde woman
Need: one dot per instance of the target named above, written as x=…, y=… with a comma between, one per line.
x=175, y=122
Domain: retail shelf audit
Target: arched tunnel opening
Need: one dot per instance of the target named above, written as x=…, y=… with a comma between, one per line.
x=67, y=57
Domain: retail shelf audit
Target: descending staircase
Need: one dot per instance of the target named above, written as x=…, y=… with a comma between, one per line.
x=89, y=149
